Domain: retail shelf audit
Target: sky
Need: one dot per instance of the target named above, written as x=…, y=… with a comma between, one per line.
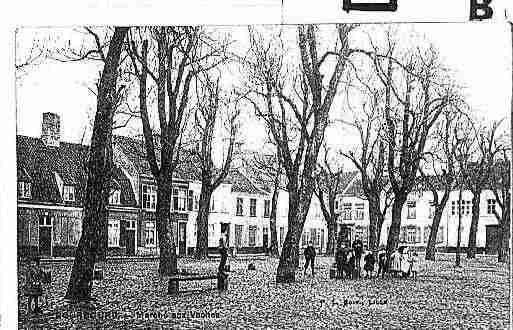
x=479, y=55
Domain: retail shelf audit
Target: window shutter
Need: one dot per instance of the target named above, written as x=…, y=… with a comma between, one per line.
x=440, y=235
x=427, y=232
x=402, y=235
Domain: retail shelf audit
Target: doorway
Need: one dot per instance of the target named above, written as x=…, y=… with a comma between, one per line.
x=265, y=238
x=45, y=235
x=182, y=245
x=492, y=239
x=225, y=231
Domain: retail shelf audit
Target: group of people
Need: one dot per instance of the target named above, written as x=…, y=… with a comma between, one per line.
x=348, y=261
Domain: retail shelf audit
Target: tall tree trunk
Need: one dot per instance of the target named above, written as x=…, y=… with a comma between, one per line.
x=167, y=244
x=289, y=259
x=376, y=220
x=471, y=246
x=395, y=227
x=504, y=237
x=431, y=245
x=98, y=176
x=332, y=236
x=272, y=223
x=202, y=223
x=458, y=242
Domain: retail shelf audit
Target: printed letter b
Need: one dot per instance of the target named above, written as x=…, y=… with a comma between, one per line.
x=480, y=9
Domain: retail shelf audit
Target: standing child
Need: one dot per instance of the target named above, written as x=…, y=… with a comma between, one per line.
x=369, y=264
x=414, y=261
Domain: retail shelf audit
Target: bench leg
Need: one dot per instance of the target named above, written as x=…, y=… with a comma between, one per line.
x=172, y=287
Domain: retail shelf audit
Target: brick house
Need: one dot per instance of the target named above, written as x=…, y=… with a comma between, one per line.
x=51, y=183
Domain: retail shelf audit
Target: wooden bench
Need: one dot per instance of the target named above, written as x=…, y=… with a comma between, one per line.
x=173, y=286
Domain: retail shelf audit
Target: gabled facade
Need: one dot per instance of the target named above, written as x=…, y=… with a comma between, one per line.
x=417, y=218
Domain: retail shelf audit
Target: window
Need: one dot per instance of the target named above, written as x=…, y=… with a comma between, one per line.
x=149, y=234
x=466, y=207
x=45, y=220
x=196, y=202
x=252, y=207
x=282, y=235
x=24, y=189
x=347, y=211
x=240, y=206
x=149, y=197
x=267, y=208
x=490, y=209
x=431, y=213
x=69, y=193
x=313, y=236
x=113, y=233
x=411, y=235
x=304, y=238
x=252, y=236
x=179, y=199
x=190, y=200
x=336, y=205
x=115, y=197
x=359, y=211
x=412, y=210
x=238, y=235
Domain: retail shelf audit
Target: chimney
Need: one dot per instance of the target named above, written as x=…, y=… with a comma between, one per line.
x=51, y=129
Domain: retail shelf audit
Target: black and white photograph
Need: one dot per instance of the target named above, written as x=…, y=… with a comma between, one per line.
x=338, y=174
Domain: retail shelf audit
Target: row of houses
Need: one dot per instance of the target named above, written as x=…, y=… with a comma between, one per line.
x=51, y=183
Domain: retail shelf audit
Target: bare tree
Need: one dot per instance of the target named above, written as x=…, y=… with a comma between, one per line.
x=99, y=167
x=370, y=156
x=295, y=107
x=172, y=57
x=441, y=162
x=466, y=137
x=501, y=187
x=417, y=89
x=328, y=180
x=478, y=175
x=27, y=58
x=209, y=112
x=266, y=169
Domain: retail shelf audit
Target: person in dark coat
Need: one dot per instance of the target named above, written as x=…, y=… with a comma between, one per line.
x=340, y=259
x=358, y=251
x=310, y=257
x=33, y=285
x=350, y=264
x=369, y=264
x=223, y=251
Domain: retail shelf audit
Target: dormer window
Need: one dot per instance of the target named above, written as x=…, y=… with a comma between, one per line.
x=68, y=194
x=115, y=197
x=24, y=189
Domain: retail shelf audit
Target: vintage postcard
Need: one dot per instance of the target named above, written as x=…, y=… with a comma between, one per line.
x=346, y=165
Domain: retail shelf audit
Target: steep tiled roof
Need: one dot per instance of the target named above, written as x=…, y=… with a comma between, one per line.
x=135, y=150
x=38, y=164
x=240, y=183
